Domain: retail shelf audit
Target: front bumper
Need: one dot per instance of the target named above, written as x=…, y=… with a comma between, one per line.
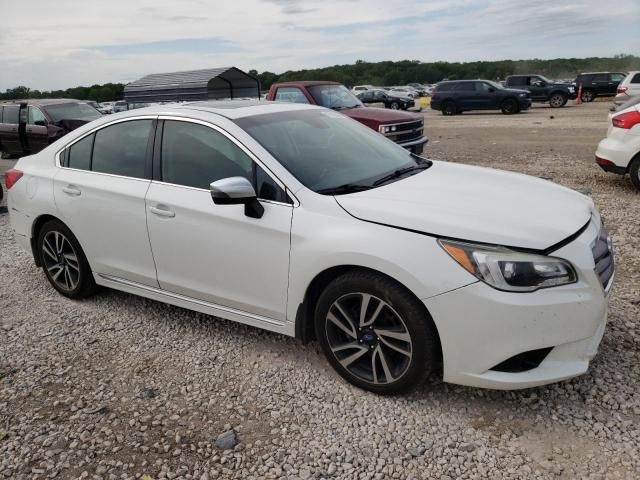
x=415, y=146
x=480, y=327
x=525, y=103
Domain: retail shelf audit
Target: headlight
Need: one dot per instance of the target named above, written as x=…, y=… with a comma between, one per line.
x=571, y=89
x=523, y=94
x=509, y=270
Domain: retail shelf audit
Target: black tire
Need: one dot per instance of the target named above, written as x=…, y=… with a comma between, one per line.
x=509, y=106
x=391, y=301
x=394, y=106
x=557, y=100
x=634, y=172
x=588, y=96
x=81, y=284
x=449, y=108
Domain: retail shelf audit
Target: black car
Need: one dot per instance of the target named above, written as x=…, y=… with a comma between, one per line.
x=598, y=84
x=453, y=97
x=390, y=100
x=542, y=89
x=28, y=126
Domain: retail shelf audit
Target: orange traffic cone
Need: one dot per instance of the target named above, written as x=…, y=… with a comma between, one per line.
x=579, y=97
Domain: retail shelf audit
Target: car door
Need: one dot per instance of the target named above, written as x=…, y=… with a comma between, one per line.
x=100, y=191
x=9, y=137
x=537, y=87
x=216, y=253
x=37, y=132
x=485, y=96
x=600, y=83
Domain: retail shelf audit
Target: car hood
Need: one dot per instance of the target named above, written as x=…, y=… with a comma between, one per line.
x=380, y=115
x=475, y=204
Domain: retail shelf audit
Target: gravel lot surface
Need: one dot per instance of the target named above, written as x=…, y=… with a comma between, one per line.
x=119, y=387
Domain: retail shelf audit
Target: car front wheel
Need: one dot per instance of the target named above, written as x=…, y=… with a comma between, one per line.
x=375, y=333
x=394, y=106
x=63, y=261
x=557, y=100
x=510, y=106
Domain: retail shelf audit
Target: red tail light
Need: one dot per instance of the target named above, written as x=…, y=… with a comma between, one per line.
x=11, y=177
x=626, y=120
x=622, y=89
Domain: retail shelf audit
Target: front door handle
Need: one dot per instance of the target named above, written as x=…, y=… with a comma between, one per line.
x=72, y=190
x=162, y=211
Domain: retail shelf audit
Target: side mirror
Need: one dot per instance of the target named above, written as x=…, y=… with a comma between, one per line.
x=40, y=123
x=491, y=89
x=237, y=191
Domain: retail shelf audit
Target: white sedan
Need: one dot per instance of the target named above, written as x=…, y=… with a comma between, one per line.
x=619, y=152
x=299, y=220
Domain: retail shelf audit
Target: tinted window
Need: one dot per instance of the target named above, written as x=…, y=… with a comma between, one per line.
x=483, y=87
x=72, y=111
x=10, y=114
x=366, y=95
x=121, y=149
x=465, y=87
x=517, y=81
x=35, y=115
x=617, y=77
x=636, y=78
x=79, y=155
x=290, y=94
x=379, y=95
x=195, y=156
x=601, y=77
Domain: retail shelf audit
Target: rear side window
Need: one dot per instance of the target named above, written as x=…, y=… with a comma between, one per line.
x=79, y=155
x=601, y=77
x=121, y=149
x=10, y=114
x=465, y=87
x=518, y=81
x=445, y=87
x=617, y=77
x=636, y=78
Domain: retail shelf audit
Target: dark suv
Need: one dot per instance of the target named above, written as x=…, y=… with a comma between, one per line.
x=454, y=97
x=28, y=126
x=542, y=89
x=390, y=100
x=598, y=84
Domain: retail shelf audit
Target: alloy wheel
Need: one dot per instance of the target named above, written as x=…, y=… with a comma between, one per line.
x=60, y=260
x=368, y=338
x=587, y=96
x=556, y=101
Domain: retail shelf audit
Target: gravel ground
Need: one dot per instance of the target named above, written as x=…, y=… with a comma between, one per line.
x=119, y=387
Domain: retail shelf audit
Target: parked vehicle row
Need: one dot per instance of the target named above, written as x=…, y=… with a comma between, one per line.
x=299, y=220
x=404, y=128
x=542, y=89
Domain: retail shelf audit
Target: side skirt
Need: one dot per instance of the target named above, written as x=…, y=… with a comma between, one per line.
x=284, y=328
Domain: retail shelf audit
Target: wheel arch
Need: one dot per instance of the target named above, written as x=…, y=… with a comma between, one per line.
x=304, y=321
x=35, y=230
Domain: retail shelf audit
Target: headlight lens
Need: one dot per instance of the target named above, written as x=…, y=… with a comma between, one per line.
x=509, y=270
x=523, y=94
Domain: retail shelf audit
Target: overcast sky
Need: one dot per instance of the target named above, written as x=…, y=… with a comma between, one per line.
x=47, y=44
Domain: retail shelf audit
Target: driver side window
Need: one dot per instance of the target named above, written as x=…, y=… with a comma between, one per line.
x=195, y=155
x=35, y=115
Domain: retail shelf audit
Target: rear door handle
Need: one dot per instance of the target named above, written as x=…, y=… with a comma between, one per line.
x=72, y=190
x=162, y=211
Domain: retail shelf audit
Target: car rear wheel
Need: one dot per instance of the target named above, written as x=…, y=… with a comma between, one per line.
x=509, y=106
x=449, y=108
x=63, y=261
x=587, y=96
x=394, y=106
x=634, y=172
x=375, y=333
x=557, y=100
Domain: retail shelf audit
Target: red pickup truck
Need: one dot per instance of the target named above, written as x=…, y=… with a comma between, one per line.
x=404, y=128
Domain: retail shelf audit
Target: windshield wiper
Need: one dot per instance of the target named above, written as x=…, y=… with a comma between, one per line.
x=400, y=172
x=344, y=189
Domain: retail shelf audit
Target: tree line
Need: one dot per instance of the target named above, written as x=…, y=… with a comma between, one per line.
x=381, y=73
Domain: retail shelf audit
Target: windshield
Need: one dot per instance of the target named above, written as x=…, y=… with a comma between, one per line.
x=495, y=85
x=334, y=96
x=72, y=111
x=325, y=150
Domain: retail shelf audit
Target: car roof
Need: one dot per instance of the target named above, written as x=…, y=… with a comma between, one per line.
x=231, y=109
x=41, y=101
x=596, y=73
x=306, y=83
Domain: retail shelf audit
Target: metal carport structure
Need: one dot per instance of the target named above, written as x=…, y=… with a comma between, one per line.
x=208, y=84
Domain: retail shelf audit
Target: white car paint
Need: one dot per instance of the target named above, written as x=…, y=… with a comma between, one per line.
x=621, y=145
x=628, y=88
x=213, y=259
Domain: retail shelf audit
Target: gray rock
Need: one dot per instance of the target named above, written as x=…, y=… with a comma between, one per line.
x=226, y=440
